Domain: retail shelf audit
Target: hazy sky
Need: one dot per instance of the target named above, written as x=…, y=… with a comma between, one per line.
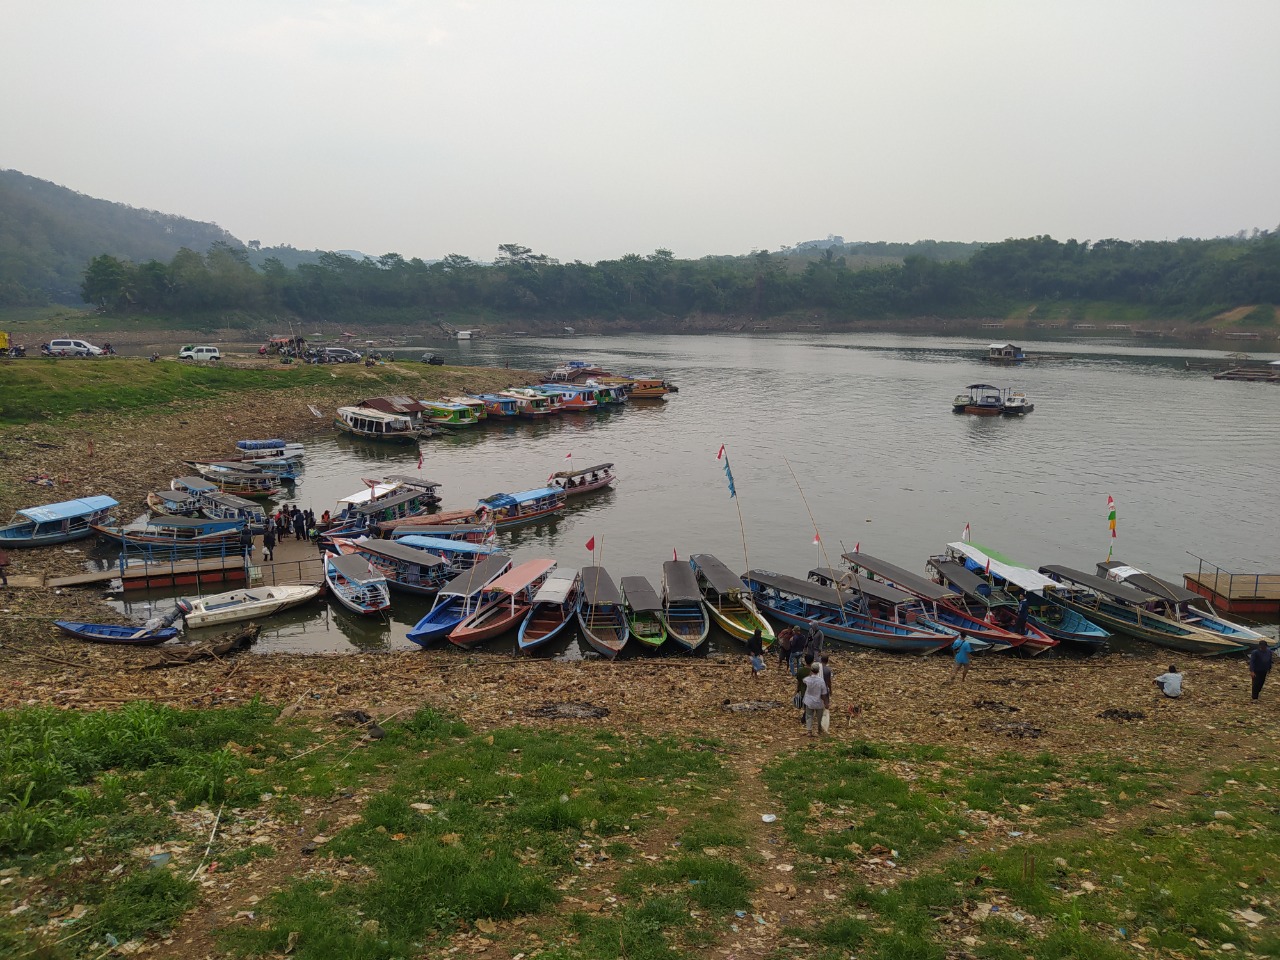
x=590, y=130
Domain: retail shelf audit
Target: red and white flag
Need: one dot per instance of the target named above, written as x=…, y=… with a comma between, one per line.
x=720, y=455
x=591, y=544
x=857, y=546
x=816, y=537
x=569, y=455
x=965, y=535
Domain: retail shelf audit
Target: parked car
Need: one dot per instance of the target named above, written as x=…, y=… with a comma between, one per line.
x=192, y=352
x=434, y=359
x=71, y=348
x=337, y=355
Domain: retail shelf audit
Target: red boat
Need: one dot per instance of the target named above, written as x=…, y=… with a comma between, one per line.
x=513, y=599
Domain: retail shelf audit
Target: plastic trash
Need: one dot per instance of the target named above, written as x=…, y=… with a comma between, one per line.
x=768, y=817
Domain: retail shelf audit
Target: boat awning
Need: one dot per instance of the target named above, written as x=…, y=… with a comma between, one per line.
x=370, y=493
x=1148, y=583
x=196, y=484
x=898, y=577
x=982, y=386
x=232, y=501
x=499, y=500
x=794, y=586
x=418, y=482
x=521, y=576
x=555, y=590
x=1021, y=577
x=565, y=474
x=1108, y=587
x=68, y=509
x=396, y=550
x=678, y=582
x=189, y=523
x=261, y=444
x=640, y=594
x=598, y=587
x=174, y=497
x=722, y=579
x=354, y=567
x=963, y=579
x=386, y=503
x=473, y=581
x=440, y=543
x=397, y=404
x=370, y=414
x=853, y=583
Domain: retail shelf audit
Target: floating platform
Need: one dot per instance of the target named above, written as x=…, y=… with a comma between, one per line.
x=176, y=573
x=1256, y=593
x=1268, y=374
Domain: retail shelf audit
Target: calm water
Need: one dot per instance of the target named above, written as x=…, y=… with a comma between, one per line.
x=865, y=424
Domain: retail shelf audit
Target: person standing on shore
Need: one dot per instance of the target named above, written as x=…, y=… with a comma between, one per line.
x=814, y=691
x=782, y=646
x=269, y=544
x=813, y=646
x=755, y=649
x=4, y=567
x=963, y=648
x=1259, y=666
x=299, y=525
x=246, y=542
x=797, y=653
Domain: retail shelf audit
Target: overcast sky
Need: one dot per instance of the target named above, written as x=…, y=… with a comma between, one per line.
x=591, y=130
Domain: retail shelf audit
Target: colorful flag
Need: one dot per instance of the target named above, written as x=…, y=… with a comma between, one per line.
x=1108, y=553
x=720, y=455
x=569, y=455
x=591, y=544
x=857, y=546
x=728, y=474
x=988, y=570
x=1111, y=515
x=816, y=537
x=964, y=535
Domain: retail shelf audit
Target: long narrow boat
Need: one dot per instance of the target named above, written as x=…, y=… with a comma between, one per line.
x=836, y=613
x=1061, y=623
x=356, y=584
x=882, y=603
x=527, y=506
x=173, y=503
x=270, y=449
x=470, y=529
x=641, y=388
x=196, y=486
x=407, y=569
x=458, y=599
x=602, y=614
x=728, y=600
x=1181, y=604
x=403, y=503
x=219, y=470
x=511, y=600
x=937, y=599
x=977, y=596
x=554, y=605
x=242, y=482
x=458, y=554
x=173, y=530
x=586, y=480
x=56, y=522
x=572, y=398
x=530, y=403
x=247, y=604
x=1128, y=610
x=644, y=612
x=227, y=506
x=683, y=612
x=112, y=633
x=375, y=425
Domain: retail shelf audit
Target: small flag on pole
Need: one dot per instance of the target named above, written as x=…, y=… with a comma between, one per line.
x=569, y=455
x=857, y=546
x=1108, y=553
x=591, y=544
x=720, y=455
x=1111, y=515
x=728, y=474
x=988, y=570
x=674, y=556
x=964, y=535
x=816, y=537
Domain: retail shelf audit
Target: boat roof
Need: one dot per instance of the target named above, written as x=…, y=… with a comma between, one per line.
x=173, y=496
x=1119, y=591
x=678, y=581
x=520, y=576
x=470, y=582
x=556, y=589
x=274, y=444
x=191, y=523
x=1149, y=583
x=1022, y=577
x=640, y=594
x=897, y=576
x=231, y=500
x=1003, y=346
x=800, y=588
x=445, y=405
x=368, y=493
x=234, y=466
x=396, y=550
x=981, y=386
x=197, y=484
x=423, y=542
x=721, y=578
x=963, y=579
x=354, y=567
x=409, y=481
x=524, y=496
x=598, y=587
x=371, y=414
x=404, y=496
x=855, y=582
x=577, y=473
x=395, y=404
x=68, y=509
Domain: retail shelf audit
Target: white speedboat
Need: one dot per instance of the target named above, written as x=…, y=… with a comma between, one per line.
x=245, y=604
x=1016, y=403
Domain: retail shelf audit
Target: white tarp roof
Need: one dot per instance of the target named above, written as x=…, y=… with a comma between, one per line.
x=1023, y=577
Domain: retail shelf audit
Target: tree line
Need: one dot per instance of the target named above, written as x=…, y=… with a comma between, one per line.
x=1182, y=277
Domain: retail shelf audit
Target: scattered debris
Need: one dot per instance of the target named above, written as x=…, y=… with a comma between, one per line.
x=995, y=706
x=570, y=711
x=222, y=646
x=1116, y=713
x=751, y=706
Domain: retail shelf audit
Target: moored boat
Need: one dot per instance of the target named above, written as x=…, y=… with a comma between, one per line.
x=114, y=633
x=499, y=406
x=173, y=503
x=248, y=604
x=458, y=554
x=644, y=612
x=447, y=413
x=268, y=449
x=527, y=506
x=510, y=600
x=728, y=600
x=572, y=398
x=479, y=409
x=1016, y=403
x=586, y=480
x=57, y=522
x=227, y=506
x=982, y=399
x=554, y=606
x=356, y=584
x=642, y=388
x=529, y=402
x=458, y=599
x=978, y=596
x=218, y=471
x=1180, y=604
x=602, y=614
x=174, y=530
x=683, y=613
x=406, y=568
x=376, y=425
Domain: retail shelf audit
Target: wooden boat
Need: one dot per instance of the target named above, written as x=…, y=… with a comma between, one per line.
x=113, y=633
x=728, y=600
x=979, y=597
x=683, y=613
x=1180, y=604
x=227, y=506
x=527, y=506
x=576, y=371
x=57, y=522
x=572, y=398
x=939, y=600
x=644, y=612
x=376, y=425
x=448, y=525
x=404, y=501
x=347, y=506
x=529, y=403
x=458, y=599
x=356, y=584
x=602, y=615
x=269, y=449
x=447, y=413
x=173, y=503
x=982, y=399
x=1128, y=610
x=498, y=406
x=554, y=606
x=587, y=480
x=1059, y=622
x=240, y=472
x=509, y=601
x=174, y=530
x=641, y=388
x=459, y=555
x=407, y=569
x=198, y=487
x=479, y=408
x=249, y=604
x=838, y=614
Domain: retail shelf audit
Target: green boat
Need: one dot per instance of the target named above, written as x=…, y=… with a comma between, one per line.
x=446, y=413
x=729, y=601
x=644, y=612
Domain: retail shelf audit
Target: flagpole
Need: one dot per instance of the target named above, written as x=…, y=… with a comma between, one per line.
x=822, y=547
x=742, y=526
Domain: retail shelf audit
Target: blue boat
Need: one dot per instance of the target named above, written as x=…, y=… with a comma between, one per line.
x=572, y=396
x=683, y=612
x=1180, y=604
x=835, y=611
x=406, y=568
x=227, y=506
x=459, y=599
x=554, y=607
x=498, y=406
x=56, y=522
x=527, y=506
x=173, y=530
x=410, y=499
x=458, y=554
x=173, y=503
x=113, y=633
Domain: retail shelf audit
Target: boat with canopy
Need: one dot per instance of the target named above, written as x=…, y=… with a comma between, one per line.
x=407, y=569
x=57, y=522
x=979, y=597
x=586, y=480
x=728, y=600
x=527, y=506
x=554, y=605
x=458, y=599
x=1180, y=603
x=510, y=600
x=683, y=612
x=602, y=614
x=356, y=584
x=644, y=612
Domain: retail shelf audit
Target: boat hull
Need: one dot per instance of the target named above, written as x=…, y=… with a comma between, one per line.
x=492, y=620
x=606, y=630
x=249, y=604
x=899, y=640
x=686, y=624
x=110, y=633
x=1156, y=630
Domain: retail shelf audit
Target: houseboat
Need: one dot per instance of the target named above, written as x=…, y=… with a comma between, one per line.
x=376, y=425
x=56, y=522
x=446, y=413
x=527, y=506
x=478, y=407
x=586, y=480
x=499, y=406
x=1004, y=353
x=573, y=398
x=406, y=568
x=531, y=403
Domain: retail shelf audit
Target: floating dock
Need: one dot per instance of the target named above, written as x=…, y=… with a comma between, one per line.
x=1252, y=593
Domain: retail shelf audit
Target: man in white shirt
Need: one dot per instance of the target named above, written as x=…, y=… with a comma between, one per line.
x=1170, y=683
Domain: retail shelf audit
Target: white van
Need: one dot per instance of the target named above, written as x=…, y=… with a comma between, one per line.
x=190, y=352
x=73, y=348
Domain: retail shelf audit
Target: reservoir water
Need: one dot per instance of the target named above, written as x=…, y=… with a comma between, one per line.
x=860, y=427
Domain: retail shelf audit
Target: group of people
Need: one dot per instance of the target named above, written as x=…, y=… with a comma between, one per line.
x=288, y=521
x=801, y=651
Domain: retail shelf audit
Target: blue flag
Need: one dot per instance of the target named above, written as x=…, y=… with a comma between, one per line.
x=728, y=475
